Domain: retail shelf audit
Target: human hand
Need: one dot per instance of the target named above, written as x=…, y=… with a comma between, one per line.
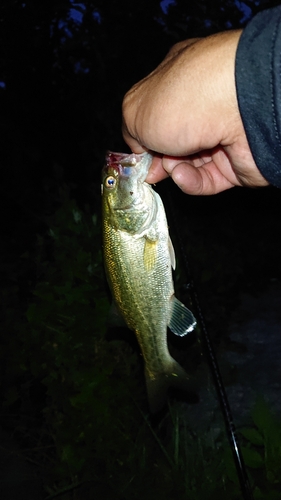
x=186, y=112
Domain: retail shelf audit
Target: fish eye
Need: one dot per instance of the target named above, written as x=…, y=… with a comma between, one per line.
x=110, y=182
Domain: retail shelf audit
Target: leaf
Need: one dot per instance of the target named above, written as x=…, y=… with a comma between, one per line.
x=230, y=466
x=68, y=455
x=252, y=458
x=262, y=416
x=252, y=435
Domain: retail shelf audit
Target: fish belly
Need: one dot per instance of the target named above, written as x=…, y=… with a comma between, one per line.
x=142, y=295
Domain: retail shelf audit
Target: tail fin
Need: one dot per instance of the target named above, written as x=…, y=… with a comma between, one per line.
x=157, y=384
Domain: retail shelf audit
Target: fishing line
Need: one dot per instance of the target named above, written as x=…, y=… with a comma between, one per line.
x=212, y=361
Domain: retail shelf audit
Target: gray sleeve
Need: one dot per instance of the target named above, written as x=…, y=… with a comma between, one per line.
x=258, y=84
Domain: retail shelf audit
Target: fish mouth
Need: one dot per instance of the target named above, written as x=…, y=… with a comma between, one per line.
x=123, y=159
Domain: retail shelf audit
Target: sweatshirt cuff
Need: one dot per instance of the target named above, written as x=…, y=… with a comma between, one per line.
x=258, y=85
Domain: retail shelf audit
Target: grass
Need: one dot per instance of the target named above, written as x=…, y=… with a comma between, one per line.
x=76, y=402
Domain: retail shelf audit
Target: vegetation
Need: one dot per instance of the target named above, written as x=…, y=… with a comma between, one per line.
x=72, y=394
x=76, y=401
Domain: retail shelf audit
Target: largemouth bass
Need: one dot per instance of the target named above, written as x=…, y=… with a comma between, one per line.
x=139, y=257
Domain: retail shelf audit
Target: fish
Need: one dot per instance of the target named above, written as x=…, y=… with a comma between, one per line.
x=139, y=257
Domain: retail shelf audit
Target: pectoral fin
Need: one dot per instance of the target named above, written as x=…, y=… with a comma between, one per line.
x=182, y=320
x=150, y=254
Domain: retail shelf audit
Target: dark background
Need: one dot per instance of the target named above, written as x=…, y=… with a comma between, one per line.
x=65, y=67
x=64, y=70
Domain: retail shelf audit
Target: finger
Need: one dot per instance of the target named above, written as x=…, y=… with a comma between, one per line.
x=204, y=180
x=156, y=171
x=132, y=142
x=170, y=162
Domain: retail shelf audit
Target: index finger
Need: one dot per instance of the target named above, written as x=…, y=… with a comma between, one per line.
x=156, y=171
x=132, y=142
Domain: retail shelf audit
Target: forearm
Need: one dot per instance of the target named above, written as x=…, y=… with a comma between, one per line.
x=258, y=83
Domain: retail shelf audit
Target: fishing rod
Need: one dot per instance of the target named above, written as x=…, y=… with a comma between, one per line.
x=213, y=363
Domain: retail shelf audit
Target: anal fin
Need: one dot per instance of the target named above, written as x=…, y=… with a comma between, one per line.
x=182, y=320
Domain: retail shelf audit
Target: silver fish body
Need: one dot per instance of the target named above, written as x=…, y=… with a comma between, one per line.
x=139, y=257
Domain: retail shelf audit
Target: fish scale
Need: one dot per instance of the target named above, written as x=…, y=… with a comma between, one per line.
x=138, y=257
